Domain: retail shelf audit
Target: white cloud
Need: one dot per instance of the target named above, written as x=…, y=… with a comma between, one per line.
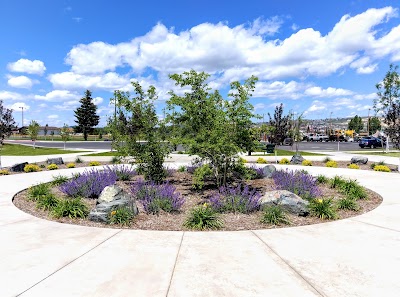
x=22, y=82
x=52, y=116
x=97, y=100
x=315, y=107
x=6, y=95
x=279, y=90
x=70, y=80
x=27, y=66
x=329, y=92
x=57, y=96
x=17, y=106
x=267, y=27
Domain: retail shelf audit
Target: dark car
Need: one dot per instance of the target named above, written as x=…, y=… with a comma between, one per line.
x=371, y=142
x=288, y=141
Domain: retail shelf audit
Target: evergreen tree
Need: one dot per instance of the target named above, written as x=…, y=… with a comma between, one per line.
x=356, y=124
x=86, y=116
x=374, y=124
x=7, y=122
x=280, y=123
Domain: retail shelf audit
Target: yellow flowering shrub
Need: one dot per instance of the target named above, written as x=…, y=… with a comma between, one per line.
x=331, y=163
x=382, y=168
x=353, y=166
x=4, y=172
x=306, y=163
x=71, y=165
x=31, y=168
x=94, y=163
x=261, y=161
x=52, y=167
x=284, y=161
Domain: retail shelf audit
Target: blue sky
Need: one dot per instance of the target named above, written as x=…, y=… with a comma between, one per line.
x=315, y=57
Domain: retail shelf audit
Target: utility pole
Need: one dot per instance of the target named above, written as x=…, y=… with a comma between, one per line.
x=22, y=122
x=330, y=124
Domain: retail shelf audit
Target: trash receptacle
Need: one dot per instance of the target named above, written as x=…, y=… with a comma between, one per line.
x=270, y=148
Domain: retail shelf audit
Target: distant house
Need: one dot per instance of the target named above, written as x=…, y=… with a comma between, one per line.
x=57, y=131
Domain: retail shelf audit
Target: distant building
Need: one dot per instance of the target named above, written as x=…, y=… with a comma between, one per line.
x=57, y=131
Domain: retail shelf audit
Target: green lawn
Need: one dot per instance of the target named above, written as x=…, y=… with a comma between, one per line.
x=287, y=153
x=23, y=150
x=390, y=154
x=103, y=154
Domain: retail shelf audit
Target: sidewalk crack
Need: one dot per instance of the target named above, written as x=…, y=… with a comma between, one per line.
x=176, y=261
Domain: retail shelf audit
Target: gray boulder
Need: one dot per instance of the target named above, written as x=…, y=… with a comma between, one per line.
x=18, y=167
x=287, y=200
x=112, y=197
x=359, y=160
x=268, y=170
x=57, y=161
x=296, y=159
x=112, y=193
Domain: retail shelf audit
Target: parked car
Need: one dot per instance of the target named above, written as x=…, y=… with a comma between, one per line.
x=317, y=137
x=288, y=141
x=371, y=142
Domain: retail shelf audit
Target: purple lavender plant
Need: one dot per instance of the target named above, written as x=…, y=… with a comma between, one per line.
x=169, y=171
x=298, y=182
x=89, y=184
x=155, y=197
x=258, y=172
x=236, y=199
x=123, y=172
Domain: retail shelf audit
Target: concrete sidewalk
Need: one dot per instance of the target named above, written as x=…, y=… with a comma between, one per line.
x=352, y=257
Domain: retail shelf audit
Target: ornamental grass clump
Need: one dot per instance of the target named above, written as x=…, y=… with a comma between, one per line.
x=274, y=215
x=236, y=199
x=323, y=209
x=123, y=172
x=59, y=180
x=47, y=202
x=348, y=203
x=155, y=197
x=120, y=216
x=203, y=217
x=382, y=168
x=37, y=191
x=72, y=208
x=298, y=182
x=89, y=184
x=322, y=179
x=348, y=187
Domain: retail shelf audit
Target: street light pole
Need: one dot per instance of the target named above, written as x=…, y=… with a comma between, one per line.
x=22, y=122
x=368, y=121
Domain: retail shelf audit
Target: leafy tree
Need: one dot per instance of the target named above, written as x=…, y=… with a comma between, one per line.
x=388, y=103
x=65, y=134
x=86, y=116
x=240, y=112
x=356, y=124
x=374, y=124
x=280, y=123
x=7, y=122
x=137, y=133
x=209, y=126
x=33, y=131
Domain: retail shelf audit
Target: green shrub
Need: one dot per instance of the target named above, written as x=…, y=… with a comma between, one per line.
x=94, y=163
x=381, y=162
x=199, y=175
x=332, y=164
x=42, y=166
x=353, y=166
x=37, y=191
x=47, y=202
x=382, y=168
x=202, y=218
x=261, y=161
x=326, y=159
x=284, y=161
x=348, y=187
x=181, y=168
x=115, y=160
x=78, y=160
x=323, y=209
x=242, y=160
x=372, y=165
x=337, y=182
x=348, y=203
x=71, y=165
x=31, y=168
x=120, y=216
x=274, y=215
x=306, y=163
x=4, y=172
x=72, y=208
x=59, y=180
x=52, y=167
x=322, y=179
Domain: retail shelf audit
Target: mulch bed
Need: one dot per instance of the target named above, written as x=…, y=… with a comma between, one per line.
x=174, y=221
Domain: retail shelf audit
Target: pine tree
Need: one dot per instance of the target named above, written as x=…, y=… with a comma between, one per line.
x=86, y=116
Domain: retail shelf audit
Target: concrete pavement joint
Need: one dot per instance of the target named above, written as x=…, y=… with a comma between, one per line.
x=176, y=261
x=16, y=222
x=377, y=226
x=308, y=282
x=62, y=267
